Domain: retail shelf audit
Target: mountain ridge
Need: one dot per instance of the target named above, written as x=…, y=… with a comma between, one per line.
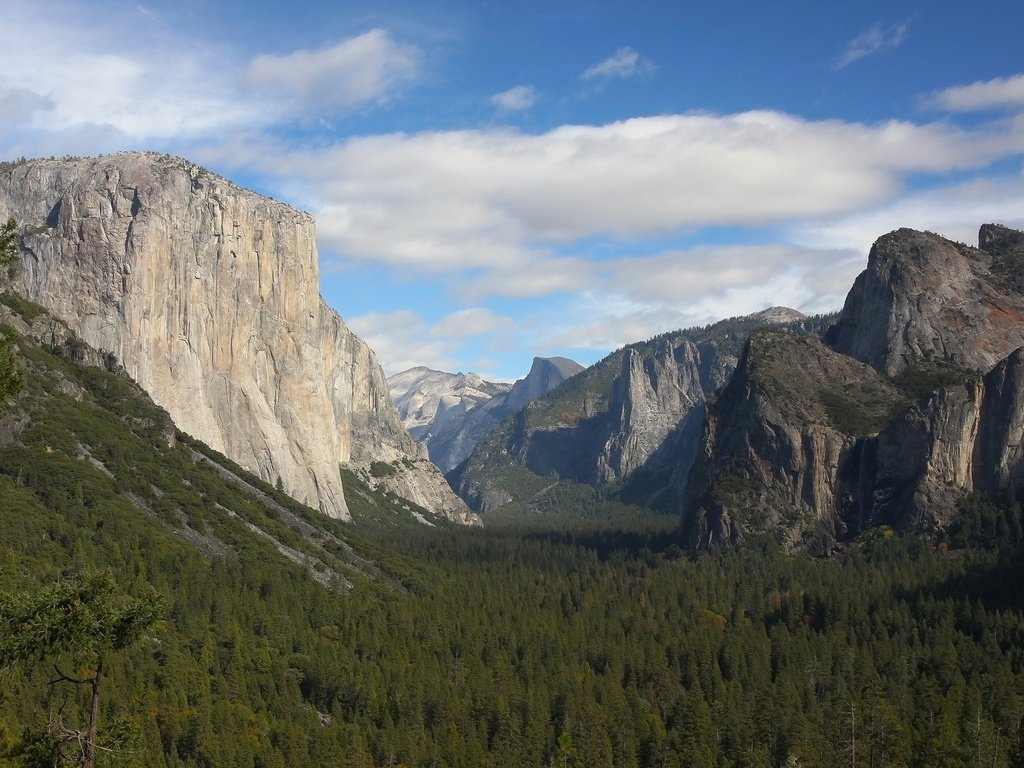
x=449, y=413
x=208, y=295
x=629, y=424
x=912, y=402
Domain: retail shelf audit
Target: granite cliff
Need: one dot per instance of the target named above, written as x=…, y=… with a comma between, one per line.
x=208, y=295
x=925, y=297
x=449, y=413
x=913, y=400
x=630, y=423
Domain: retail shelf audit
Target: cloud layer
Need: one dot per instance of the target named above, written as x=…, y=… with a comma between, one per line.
x=507, y=202
x=568, y=237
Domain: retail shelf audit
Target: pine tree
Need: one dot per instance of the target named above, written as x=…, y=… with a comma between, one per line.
x=79, y=621
x=8, y=241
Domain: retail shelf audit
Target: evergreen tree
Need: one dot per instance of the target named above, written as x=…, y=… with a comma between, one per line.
x=78, y=621
x=8, y=241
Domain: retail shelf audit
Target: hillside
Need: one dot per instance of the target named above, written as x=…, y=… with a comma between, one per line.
x=94, y=475
x=208, y=295
x=912, y=402
x=628, y=425
x=294, y=639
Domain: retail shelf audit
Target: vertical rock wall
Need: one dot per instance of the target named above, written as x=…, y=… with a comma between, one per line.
x=209, y=296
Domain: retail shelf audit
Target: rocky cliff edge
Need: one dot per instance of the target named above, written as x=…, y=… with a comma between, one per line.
x=208, y=294
x=915, y=400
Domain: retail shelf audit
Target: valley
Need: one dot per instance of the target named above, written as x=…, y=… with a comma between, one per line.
x=775, y=540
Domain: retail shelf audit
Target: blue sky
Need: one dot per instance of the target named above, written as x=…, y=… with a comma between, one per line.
x=494, y=180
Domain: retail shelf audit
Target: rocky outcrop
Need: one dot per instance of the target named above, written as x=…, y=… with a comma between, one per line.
x=545, y=374
x=925, y=297
x=632, y=421
x=998, y=459
x=914, y=473
x=449, y=413
x=209, y=296
x=650, y=397
x=776, y=447
x=918, y=401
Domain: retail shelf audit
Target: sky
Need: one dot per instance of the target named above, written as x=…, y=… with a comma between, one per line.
x=494, y=181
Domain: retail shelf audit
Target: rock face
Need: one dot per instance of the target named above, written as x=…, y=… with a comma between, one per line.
x=634, y=419
x=918, y=400
x=999, y=447
x=545, y=374
x=208, y=295
x=923, y=296
x=776, y=445
x=449, y=413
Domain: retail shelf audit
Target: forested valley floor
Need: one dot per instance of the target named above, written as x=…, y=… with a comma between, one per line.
x=292, y=640
x=595, y=648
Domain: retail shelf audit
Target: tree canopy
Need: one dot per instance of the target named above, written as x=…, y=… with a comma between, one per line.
x=81, y=619
x=8, y=241
x=84, y=617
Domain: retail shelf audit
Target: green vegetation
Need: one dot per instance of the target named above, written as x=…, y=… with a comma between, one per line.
x=28, y=310
x=866, y=407
x=292, y=639
x=926, y=377
x=11, y=374
x=81, y=620
x=860, y=410
x=8, y=241
x=382, y=469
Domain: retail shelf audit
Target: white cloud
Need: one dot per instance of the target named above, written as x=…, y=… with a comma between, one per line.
x=400, y=341
x=639, y=297
x=1000, y=93
x=473, y=321
x=367, y=69
x=529, y=276
x=516, y=99
x=505, y=210
x=873, y=41
x=403, y=340
x=705, y=274
x=955, y=212
x=93, y=88
x=604, y=322
x=624, y=64
x=19, y=105
x=69, y=85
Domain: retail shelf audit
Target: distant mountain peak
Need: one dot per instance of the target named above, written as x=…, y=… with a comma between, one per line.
x=779, y=315
x=448, y=413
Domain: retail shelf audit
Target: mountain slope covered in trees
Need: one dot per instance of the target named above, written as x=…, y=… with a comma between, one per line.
x=914, y=399
x=292, y=639
x=627, y=426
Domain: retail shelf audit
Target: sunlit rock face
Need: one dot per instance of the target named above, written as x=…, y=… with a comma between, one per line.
x=449, y=413
x=925, y=297
x=208, y=294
